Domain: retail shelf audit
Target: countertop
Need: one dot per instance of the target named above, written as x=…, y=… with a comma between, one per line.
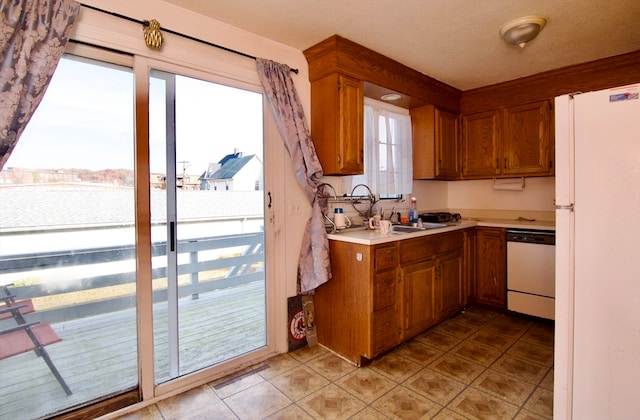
x=371, y=237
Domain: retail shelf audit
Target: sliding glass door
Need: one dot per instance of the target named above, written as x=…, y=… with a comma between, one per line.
x=207, y=214
x=67, y=245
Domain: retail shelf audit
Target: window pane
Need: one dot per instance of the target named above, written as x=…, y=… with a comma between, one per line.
x=67, y=243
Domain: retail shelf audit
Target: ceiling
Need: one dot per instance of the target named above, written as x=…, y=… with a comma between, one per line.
x=454, y=41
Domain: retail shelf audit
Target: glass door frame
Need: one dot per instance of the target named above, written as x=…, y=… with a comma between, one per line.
x=274, y=243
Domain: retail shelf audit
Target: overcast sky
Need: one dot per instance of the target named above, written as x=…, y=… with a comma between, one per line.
x=86, y=121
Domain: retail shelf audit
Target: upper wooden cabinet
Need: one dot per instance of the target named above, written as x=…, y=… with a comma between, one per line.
x=526, y=140
x=435, y=144
x=513, y=141
x=337, y=124
x=480, y=145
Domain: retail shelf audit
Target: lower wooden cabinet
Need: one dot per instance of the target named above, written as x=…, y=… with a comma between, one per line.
x=384, y=294
x=491, y=270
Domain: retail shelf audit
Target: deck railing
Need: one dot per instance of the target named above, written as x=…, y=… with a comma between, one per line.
x=240, y=267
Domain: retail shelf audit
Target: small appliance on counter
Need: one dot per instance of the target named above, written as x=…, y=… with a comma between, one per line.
x=440, y=217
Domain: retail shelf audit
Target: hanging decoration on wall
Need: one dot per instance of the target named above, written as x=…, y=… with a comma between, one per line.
x=152, y=34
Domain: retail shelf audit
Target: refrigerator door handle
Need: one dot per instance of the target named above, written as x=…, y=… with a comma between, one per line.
x=570, y=207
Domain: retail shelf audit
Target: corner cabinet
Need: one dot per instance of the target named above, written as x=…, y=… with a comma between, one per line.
x=435, y=143
x=337, y=124
x=382, y=295
x=491, y=266
x=513, y=141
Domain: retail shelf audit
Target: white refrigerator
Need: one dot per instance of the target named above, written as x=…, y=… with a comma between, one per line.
x=597, y=326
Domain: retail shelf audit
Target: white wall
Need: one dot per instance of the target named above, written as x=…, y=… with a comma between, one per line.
x=538, y=194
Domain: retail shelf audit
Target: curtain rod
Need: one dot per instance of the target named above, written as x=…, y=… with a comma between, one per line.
x=145, y=23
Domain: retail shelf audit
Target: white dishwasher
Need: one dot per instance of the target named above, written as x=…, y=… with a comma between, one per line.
x=531, y=262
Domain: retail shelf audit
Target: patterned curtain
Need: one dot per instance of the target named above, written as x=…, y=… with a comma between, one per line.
x=33, y=35
x=314, y=267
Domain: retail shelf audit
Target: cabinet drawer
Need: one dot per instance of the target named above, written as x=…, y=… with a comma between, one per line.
x=449, y=241
x=386, y=257
x=417, y=249
x=385, y=330
x=384, y=290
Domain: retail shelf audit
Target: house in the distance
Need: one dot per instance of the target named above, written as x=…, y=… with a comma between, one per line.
x=234, y=172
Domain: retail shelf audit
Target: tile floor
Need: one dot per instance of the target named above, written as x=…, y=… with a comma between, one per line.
x=479, y=364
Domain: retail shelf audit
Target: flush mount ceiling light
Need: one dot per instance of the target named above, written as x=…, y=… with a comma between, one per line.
x=390, y=97
x=522, y=30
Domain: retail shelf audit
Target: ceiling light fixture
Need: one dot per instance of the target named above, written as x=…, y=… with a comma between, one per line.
x=522, y=30
x=390, y=97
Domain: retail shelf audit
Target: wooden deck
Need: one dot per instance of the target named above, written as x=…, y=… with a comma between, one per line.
x=97, y=355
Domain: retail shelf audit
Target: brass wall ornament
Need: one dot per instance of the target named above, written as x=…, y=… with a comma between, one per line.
x=152, y=34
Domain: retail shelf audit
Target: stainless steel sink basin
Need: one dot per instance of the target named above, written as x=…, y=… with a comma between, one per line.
x=409, y=229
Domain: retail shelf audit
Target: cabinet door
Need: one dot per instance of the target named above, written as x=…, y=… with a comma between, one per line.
x=447, y=148
x=337, y=124
x=492, y=267
x=525, y=137
x=351, y=132
x=449, y=274
x=481, y=145
x=418, y=303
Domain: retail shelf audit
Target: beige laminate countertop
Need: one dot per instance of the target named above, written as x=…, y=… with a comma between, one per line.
x=371, y=237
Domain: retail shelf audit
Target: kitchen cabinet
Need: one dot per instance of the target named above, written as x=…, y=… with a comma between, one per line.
x=491, y=275
x=435, y=143
x=337, y=124
x=513, y=141
x=381, y=295
x=418, y=275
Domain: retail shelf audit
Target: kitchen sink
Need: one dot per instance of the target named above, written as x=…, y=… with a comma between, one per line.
x=409, y=229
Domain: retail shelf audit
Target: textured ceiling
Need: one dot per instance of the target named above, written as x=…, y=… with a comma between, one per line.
x=454, y=41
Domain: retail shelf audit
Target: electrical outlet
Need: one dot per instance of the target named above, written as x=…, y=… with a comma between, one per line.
x=295, y=207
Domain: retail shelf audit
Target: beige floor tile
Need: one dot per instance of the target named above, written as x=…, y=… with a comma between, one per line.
x=477, y=316
x=436, y=339
x=539, y=354
x=279, y=364
x=474, y=404
x=259, y=401
x=151, y=412
x=237, y=384
x=541, y=403
x=477, y=353
x=215, y=411
x=418, y=352
x=307, y=353
x=292, y=412
x=503, y=386
x=331, y=402
x=512, y=325
x=456, y=327
x=369, y=413
x=528, y=415
x=447, y=414
x=395, y=367
x=434, y=385
x=299, y=382
x=547, y=382
x=366, y=384
x=183, y=404
x=331, y=366
x=540, y=334
x=402, y=403
x=521, y=369
x=493, y=338
x=460, y=369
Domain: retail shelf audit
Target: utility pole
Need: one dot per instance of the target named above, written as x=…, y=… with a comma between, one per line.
x=185, y=165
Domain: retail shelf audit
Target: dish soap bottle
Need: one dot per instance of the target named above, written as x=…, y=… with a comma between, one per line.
x=413, y=211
